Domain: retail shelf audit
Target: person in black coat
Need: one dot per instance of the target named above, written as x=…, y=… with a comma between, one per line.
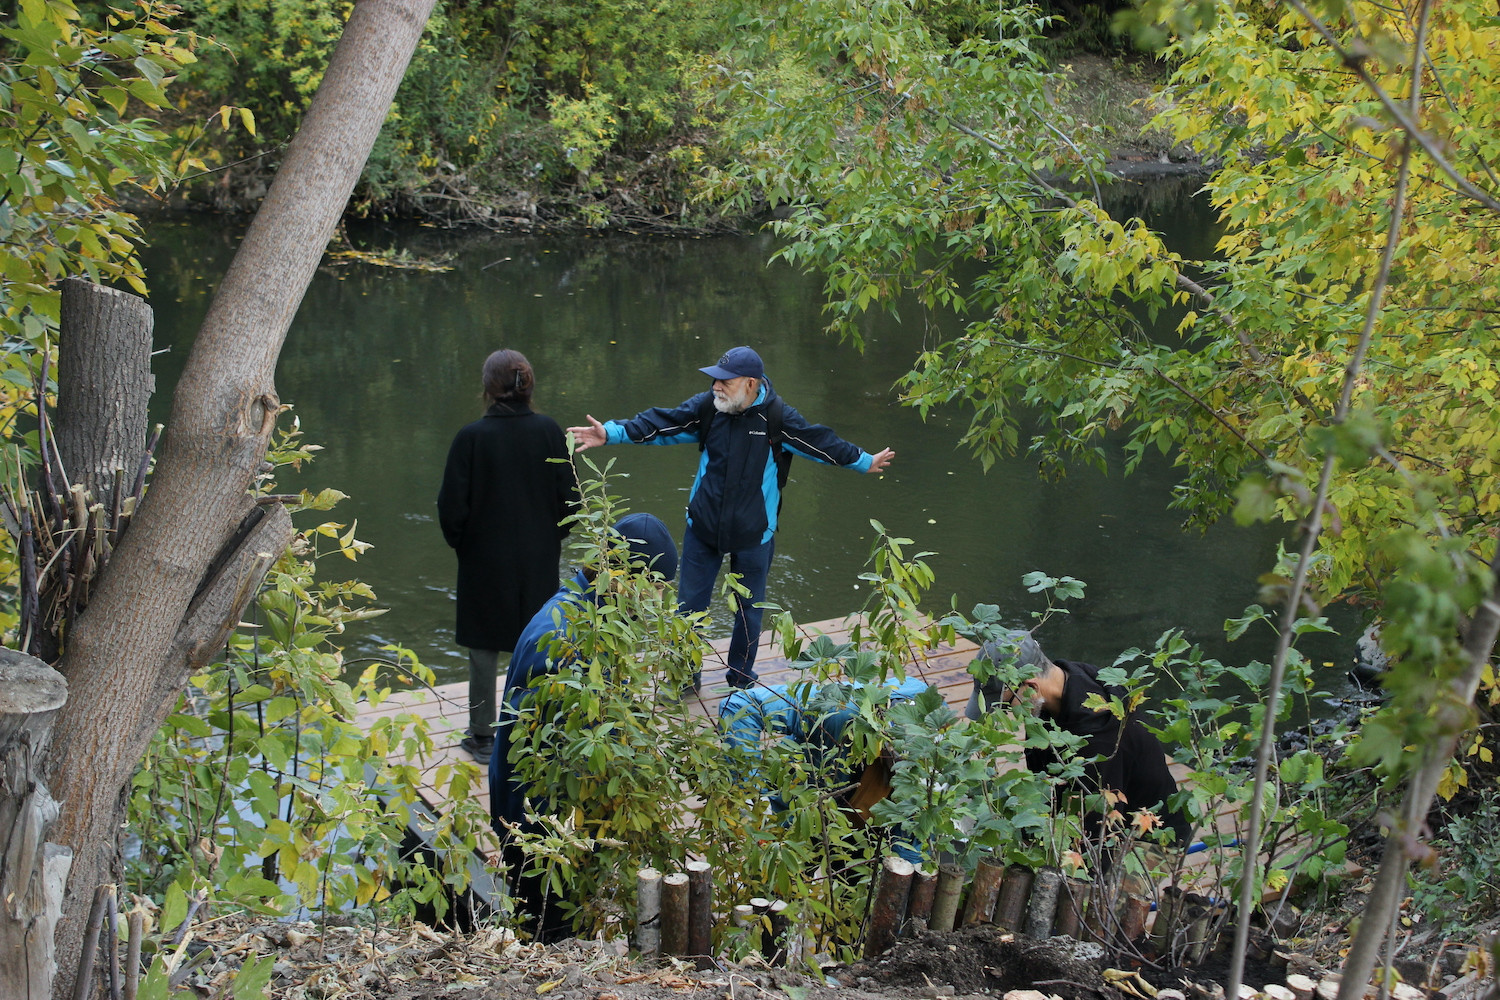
x=1121, y=755
x=500, y=508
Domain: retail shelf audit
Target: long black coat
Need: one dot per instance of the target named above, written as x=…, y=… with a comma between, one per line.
x=499, y=508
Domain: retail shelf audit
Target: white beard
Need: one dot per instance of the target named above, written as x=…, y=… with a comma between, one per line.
x=734, y=404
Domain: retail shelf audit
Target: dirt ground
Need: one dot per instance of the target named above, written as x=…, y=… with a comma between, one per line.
x=419, y=963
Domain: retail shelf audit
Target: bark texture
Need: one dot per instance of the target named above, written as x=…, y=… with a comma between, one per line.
x=31, y=874
x=104, y=383
x=123, y=659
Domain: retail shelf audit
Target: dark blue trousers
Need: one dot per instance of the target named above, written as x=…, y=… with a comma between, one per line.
x=697, y=572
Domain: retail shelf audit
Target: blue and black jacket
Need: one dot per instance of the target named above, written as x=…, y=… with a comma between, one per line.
x=736, y=496
x=534, y=658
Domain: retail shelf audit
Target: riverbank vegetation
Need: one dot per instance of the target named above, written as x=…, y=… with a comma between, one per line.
x=1333, y=367
x=600, y=114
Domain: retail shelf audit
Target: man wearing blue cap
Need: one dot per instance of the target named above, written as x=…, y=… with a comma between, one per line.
x=746, y=436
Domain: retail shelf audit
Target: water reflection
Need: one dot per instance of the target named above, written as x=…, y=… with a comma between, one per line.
x=382, y=366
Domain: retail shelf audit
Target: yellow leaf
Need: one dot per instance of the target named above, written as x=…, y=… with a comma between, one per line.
x=247, y=119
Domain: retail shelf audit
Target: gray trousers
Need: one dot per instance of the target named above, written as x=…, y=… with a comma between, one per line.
x=483, y=669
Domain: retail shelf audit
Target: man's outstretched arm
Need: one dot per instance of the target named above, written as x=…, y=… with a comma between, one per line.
x=588, y=437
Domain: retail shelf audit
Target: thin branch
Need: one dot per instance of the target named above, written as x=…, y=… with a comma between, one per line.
x=1348, y=989
x=1181, y=280
x=1356, y=60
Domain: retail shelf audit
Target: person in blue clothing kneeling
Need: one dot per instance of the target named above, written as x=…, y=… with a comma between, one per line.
x=814, y=721
x=746, y=436
x=545, y=647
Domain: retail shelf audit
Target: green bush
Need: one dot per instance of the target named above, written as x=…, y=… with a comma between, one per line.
x=500, y=97
x=262, y=792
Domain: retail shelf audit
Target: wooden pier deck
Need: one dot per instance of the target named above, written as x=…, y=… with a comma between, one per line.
x=446, y=706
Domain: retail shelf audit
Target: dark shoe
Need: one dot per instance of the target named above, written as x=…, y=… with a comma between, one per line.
x=688, y=690
x=479, y=747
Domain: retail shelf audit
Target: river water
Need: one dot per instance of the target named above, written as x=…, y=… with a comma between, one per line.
x=382, y=367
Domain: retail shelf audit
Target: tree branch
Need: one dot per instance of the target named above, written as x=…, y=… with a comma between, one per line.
x=1407, y=120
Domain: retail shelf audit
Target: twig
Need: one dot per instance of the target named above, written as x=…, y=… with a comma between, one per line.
x=145, y=464
x=1355, y=60
x=136, y=922
x=112, y=943
x=82, y=982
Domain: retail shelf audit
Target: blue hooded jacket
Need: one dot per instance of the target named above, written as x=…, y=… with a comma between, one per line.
x=736, y=497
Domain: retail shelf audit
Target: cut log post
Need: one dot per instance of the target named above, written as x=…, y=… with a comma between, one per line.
x=776, y=948
x=1070, y=907
x=648, y=911
x=1134, y=910
x=762, y=908
x=950, y=888
x=700, y=910
x=1259, y=945
x=988, y=875
x=1301, y=986
x=104, y=382
x=1010, y=909
x=1041, y=909
x=919, y=904
x=1099, y=914
x=889, y=909
x=33, y=873
x=1166, y=918
x=742, y=918
x=675, y=914
x=1195, y=916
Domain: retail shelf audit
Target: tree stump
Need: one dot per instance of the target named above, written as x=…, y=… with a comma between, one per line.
x=104, y=382
x=33, y=873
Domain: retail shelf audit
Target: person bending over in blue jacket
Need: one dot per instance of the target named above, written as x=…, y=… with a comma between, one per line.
x=651, y=550
x=814, y=721
x=746, y=436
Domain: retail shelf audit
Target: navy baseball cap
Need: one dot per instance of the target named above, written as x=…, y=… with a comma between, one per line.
x=650, y=543
x=737, y=362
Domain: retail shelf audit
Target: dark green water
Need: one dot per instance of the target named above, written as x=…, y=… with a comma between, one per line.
x=382, y=366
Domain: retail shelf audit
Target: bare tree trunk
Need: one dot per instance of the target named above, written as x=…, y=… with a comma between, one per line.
x=32, y=872
x=1455, y=716
x=103, y=385
x=120, y=660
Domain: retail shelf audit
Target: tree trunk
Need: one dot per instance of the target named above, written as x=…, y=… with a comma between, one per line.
x=32, y=871
x=103, y=385
x=121, y=659
x=1455, y=716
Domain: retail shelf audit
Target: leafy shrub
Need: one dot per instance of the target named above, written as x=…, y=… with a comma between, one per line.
x=263, y=792
x=1461, y=885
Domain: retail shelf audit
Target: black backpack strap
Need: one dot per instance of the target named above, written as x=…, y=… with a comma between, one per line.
x=706, y=413
x=775, y=435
